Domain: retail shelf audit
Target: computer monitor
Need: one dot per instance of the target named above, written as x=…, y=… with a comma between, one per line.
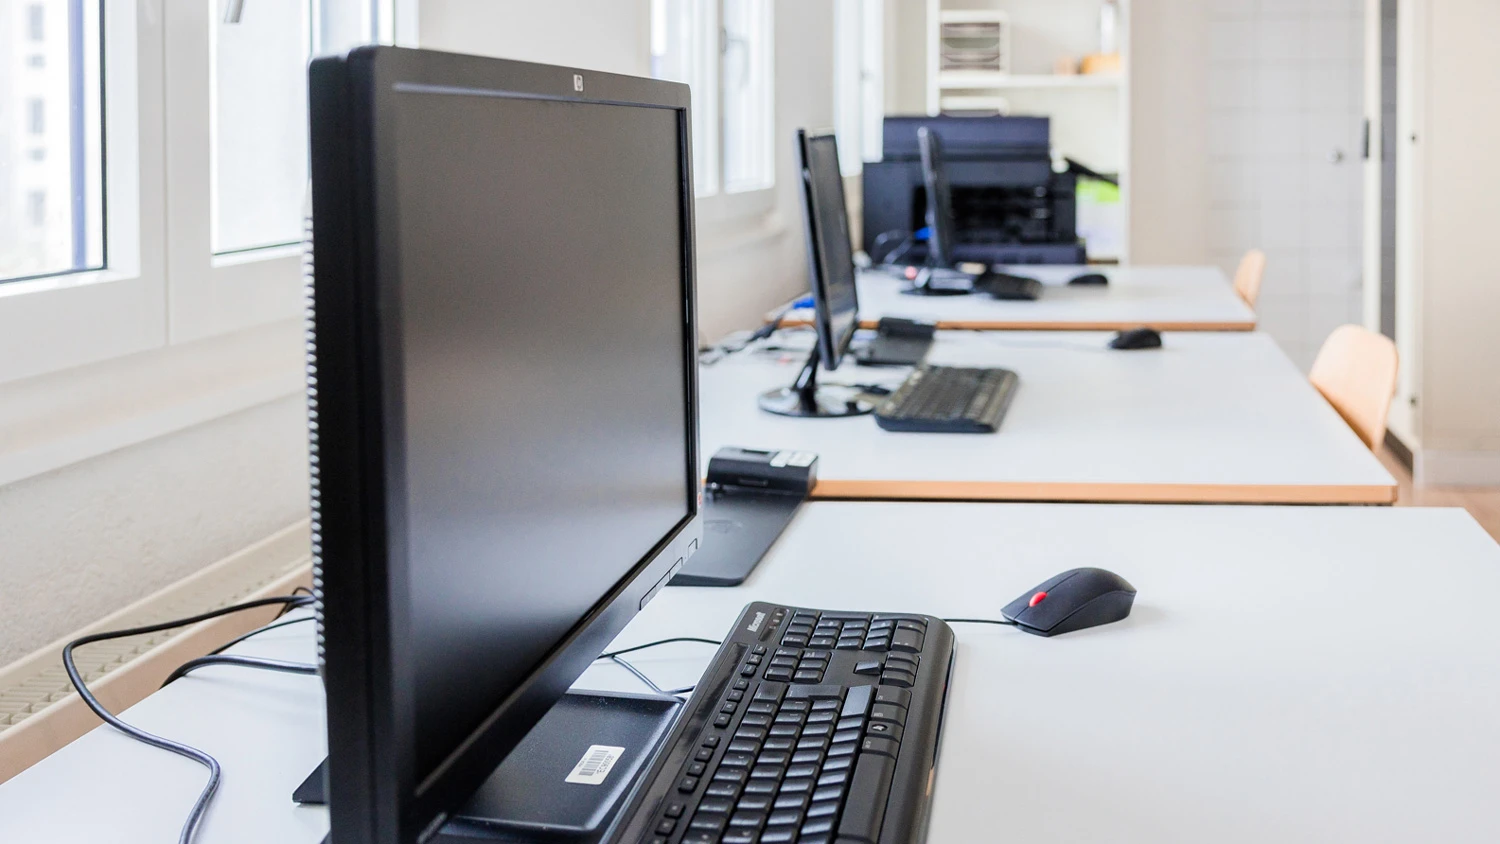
x=502, y=401
x=830, y=271
x=941, y=227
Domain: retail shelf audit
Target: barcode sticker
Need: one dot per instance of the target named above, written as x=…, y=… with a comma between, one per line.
x=595, y=765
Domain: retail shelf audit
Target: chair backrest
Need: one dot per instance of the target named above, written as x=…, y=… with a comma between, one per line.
x=1248, y=277
x=1356, y=371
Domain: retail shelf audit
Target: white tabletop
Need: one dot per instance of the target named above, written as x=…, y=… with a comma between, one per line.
x=1288, y=674
x=1218, y=417
x=1182, y=298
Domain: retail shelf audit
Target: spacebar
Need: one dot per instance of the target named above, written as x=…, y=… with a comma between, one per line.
x=868, y=791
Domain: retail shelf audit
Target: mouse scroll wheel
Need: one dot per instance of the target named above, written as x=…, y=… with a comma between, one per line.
x=1038, y=598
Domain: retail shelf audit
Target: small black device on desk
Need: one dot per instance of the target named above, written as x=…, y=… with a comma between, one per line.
x=1089, y=280
x=1009, y=287
x=1073, y=600
x=749, y=498
x=898, y=342
x=1136, y=338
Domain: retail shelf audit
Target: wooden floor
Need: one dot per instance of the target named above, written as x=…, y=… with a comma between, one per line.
x=1483, y=503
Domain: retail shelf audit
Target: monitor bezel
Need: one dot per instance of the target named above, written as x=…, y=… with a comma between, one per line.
x=831, y=349
x=940, y=220
x=375, y=793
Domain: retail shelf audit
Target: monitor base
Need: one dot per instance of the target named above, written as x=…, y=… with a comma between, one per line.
x=528, y=798
x=806, y=399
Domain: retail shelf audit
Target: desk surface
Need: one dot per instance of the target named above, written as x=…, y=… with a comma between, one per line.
x=1266, y=687
x=1210, y=417
x=1178, y=298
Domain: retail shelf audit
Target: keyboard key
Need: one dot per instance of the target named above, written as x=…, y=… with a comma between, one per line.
x=770, y=691
x=754, y=803
x=807, y=757
x=857, y=703
x=843, y=736
x=736, y=760
x=750, y=733
x=900, y=679
x=782, y=674
x=895, y=697
x=741, y=684
x=788, y=716
x=708, y=822
x=750, y=820
x=880, y=644
x=735, y=695
x=766, y=787
x=764, y=772
x=791, y=786
x=888, y=712
x=780, y=743
x=722, y=788
x=778, y=835
x=844, y=749
x=847, y=616
x=761, y=707
x=729, y=706
x=799, y=629
x=795, y=641
x=906, y=640
x=886, y=729
x=704, y=754
x=826, y=705
x=813, y=665
x=791, y=652
x=747, y=670
x=752, y=720
x=824, y=717
x=823, y=655
x=797, y=770
x=786, y=730
x=822, y=642
x=713, y=805
x=739, y=836
x=864, y=809
x=675, y=810
x=734, y=775
x=754, y=659
x=687, y=785
x=833, y=779
x=722, y=721
x=812, y=742
x=758, y=649
x=824, y=808
x=785, y=818
x=867, y=668
x=838, y=763
x=815, y=691
x=791, y=800
x=848, y=644
x=696, y=769
x=878, y=745
x=666, y=827
x=773, y=759
x=807, y=676
x=797, y=705
x=853, y=723
x=816, y=730
x=783, y=662
x=816, y=826
x=700, y=836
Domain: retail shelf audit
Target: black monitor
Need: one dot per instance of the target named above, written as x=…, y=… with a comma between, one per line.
x=503, y=404
x=941, y=227
x=830, y=270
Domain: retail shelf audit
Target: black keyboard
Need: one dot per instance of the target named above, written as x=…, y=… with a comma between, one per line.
x=809, y=728
x=1006, y=286
x=949, y=400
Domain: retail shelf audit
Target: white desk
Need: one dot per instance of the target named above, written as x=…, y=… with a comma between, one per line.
x=1289, y=674
x=1184, y=298
x=1210, y=417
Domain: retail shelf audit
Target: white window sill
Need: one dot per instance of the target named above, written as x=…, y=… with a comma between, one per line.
x=54, y=420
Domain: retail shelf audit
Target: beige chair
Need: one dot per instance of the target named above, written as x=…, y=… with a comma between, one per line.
x=1248, y=277
x=1356, y=371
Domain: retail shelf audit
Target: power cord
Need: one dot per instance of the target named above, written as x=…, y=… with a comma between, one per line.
x=269, y=627
x=242, y=661
x=615, y=657
x=200, y=807
x=980, y=621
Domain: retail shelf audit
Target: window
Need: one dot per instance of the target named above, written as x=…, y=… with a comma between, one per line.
x=723, y=50
x=36, y=208
x=52, y=148
x=859, y=85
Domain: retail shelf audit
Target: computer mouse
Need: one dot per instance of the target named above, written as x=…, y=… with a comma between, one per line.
x=1137, y=338
x=1072, y=601
x=1090, y=279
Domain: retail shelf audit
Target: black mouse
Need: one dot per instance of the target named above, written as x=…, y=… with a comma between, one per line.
x=1090, y=279
x=1072, y=601
x=1137, y=338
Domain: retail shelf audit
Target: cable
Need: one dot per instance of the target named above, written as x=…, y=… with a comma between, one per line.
x=200, y=807
x=242, y=661
x=235, y=641
x=623, y=651
x=980, y=621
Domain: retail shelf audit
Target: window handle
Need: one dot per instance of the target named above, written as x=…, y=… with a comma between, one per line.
x=232, y=11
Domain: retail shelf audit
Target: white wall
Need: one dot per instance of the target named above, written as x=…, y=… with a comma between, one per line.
x=745, y=269
x=1457, y=276
x=83, y=541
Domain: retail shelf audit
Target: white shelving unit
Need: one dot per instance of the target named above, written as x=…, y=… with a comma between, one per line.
x=1090, y=113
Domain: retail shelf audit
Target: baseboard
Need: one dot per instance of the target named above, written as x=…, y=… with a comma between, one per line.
x=1434, y=467
x=1400, y=450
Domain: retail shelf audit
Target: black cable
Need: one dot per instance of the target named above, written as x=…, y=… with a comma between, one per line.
x=623, y=651
x=980, y=621
x=235, y=641
x=200, y=807
x=242, y=661
x=905, y=246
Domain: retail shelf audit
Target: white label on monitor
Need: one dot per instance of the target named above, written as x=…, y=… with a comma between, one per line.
x=595, y=765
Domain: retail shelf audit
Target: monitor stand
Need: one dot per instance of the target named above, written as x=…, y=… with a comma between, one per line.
x=806, y=399
x=922, y=285
x=529, y=798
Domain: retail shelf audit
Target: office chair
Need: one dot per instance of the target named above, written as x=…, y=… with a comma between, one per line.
x=1248, y=277
x=1356, y=371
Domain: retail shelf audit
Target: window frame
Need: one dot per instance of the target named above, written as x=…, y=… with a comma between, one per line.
x=859, y=81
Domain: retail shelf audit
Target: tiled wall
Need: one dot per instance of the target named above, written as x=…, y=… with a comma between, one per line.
x=1285, y=93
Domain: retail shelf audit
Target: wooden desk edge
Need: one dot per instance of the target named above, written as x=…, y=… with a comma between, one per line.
x=1043, y=325
x=1108, y=492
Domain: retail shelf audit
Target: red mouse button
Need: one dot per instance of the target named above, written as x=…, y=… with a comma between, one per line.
x=911, y=273
x=1038, y=598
